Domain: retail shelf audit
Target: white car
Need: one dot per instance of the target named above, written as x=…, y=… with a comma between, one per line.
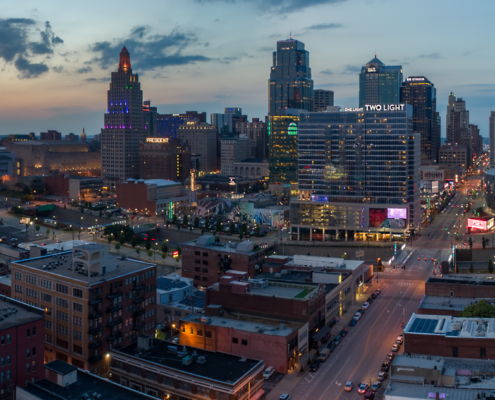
x=357, y=316
x=268, y=372
x=365, y=305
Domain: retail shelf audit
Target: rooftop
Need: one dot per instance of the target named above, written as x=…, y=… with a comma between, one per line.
x=464, y=279
x=60, y=367
x=217, y=366
x=208, y=242
x=172, y=282
x=157, y=182
x=60, y=264
x=447, y=303
x=477, y=328
x=13, y=313
x=86, y=383
x=396, y=390
x=247, y=326
x=324, y=262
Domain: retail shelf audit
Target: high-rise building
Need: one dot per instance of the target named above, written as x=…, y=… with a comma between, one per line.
x=84, y=138
x=50, y=135
x=492, y=138
x=226, y=123
x=475, y=140
x=379, y=84
x=124, y=125
x=290, y=84
x=256, y=134
x=72, y=137
x=169, y=123
x=458, y=131
x=358, y=177
x=150, y=114
x=233, y=149
x=282, y=141
x=323, y=99
x=421, y=94
x=202, y=138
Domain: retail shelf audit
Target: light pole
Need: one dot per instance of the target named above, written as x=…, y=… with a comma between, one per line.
x=368, y=237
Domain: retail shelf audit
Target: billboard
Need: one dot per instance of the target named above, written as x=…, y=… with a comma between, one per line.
x=397, y=213
x=377, y=217
x=490, y=223
x=477, y=224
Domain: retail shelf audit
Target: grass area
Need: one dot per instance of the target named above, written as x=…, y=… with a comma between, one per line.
x=303, y=293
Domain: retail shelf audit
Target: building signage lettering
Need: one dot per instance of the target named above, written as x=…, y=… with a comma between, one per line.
x=384, y=107
x=371, y=69
x=418, y=79
x=156, y=140
x=405, y=369
x=353, y=109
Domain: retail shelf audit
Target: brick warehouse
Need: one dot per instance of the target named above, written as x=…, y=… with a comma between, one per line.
x=456, y=286
x=446, y=336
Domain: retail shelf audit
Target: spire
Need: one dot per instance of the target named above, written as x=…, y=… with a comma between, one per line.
x=125, y=60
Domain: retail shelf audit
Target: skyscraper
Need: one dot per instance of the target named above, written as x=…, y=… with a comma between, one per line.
x=150, y=115
x=421, y=94
x=323, y=99
x=458, y=130
x=492, y=139
x=124, y=125
x=290, y=84
x=379, y=84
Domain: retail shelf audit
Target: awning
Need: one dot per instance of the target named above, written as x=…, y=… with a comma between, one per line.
x=321, y=333
x=257, y=395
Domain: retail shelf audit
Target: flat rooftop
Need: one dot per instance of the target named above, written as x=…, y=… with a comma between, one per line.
x=294, y=276
x=324, y=262
x=283, y=289
x=464, y=279
x=447, y=303
x=124, y=267
x=397, y=390
x=247, y=326
x=13, y=313
x=402, y=360
x=208, y=242
x=219, y=367
x=475, y=328
x=86, y=383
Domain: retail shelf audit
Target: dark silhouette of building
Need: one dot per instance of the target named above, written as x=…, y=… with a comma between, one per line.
x=167, y=124
x=50, y=135
x=323, y=99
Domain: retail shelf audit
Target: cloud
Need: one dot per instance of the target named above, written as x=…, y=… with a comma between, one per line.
x=58, y=69
x=330, y=84
x=431, y=56
x=267, y=48
x=351, y=70
x=223, y=96
x=16, y=47
x=148, y=51
x=326, y=72
x=84, y=70
x=279, y=5
x=319, y=27
x=98, y=80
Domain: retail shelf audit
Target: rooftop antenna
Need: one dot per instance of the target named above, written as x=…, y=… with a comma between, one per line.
x=290, y=35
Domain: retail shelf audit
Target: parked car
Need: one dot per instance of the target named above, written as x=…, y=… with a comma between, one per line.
x=378, y=292
x=395, y=348
x=324, y=354
x=369, y=395
x=382, y=376
x=369, y=300
x=268, y=372
x=400, y=339
x=385, y=366
x=285, y=397
x=353, y=322
x=373, y=296
x=337, y=340
x=331, y=346
x=357, y=316
x=343, y=332
x=391, y=356
x=365, y=305
x=375, y=386
x=314, y=366
x=363, y=387
x=348, y=386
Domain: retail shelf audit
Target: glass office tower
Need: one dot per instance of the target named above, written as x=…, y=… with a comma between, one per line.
x=290, y=84
x=358, y=175
x=379, y=84
x=422, y=95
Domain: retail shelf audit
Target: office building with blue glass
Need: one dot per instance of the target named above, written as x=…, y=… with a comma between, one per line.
x=358, y=173
x=379, y=84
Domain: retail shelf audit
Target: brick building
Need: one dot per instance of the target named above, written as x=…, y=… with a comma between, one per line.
x=50, y=135
x=164, y=158
x=169, y=372
x=21, y=345
x=276, y=344
x=457, y=286
x=93, y=302
x=446, y=336
x=206, y=260
x=277, y=300
x=74, y=187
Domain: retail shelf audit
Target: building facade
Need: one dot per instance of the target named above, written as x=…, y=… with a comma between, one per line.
x=226, y=123
x=491, y=122
x=379, y=84
x=358, y=175
x=233, y=150
x=454, y=155
x=167, y=124
x=202, y=139
x=50, y=135
x=92, y=301
x=290, y=84
x=323, y=99
x=150, y=115
x=421, y=94
x=256, y=133
x=164, y=158
x=124, y=125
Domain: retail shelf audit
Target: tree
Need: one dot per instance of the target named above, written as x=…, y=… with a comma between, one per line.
x=232, y=227
x=196, y=222
x=207, y=223
x=109, y=238
x=185, y=220
x=48, y=231
x=256, y=230
x=219, y=225
x=147, y=244
x=471, y=268
x=117, y=246
x=179, y=251
x=482, y=309
x=138, y=252
x=490, y=266
x=174, y=219
x=470, y=242
x=483, y=242
x=37, y=227
x=133, y=242
x=164, y=247
x=164, y=255
x=120, y=230
x=150, y=253
x=241, y=235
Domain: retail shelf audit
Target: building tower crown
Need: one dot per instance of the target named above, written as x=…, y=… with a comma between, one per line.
x=125, y=60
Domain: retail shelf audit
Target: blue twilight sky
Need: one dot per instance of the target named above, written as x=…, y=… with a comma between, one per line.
x=56, y=57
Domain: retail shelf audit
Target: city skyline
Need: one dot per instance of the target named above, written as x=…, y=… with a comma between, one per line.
x=59, y=70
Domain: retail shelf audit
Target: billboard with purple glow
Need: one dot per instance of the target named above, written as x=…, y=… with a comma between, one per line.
x=397, y=213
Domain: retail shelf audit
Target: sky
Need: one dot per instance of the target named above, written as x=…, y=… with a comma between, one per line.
x=204, y=55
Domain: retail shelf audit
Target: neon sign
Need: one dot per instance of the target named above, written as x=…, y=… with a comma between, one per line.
x=156, y=140
x=384, y=107
x=292, y=131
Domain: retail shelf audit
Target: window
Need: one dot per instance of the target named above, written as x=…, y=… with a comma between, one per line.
x=32, y=293
x=18, y=288
x=8, y=360
x=152, y=376
x=185, y=386
x=205, y=262
x=483, y=352
x=192, y=330
x=2, y=361
x=8, y=338
x=28, y=353
x=77, y=335
x=77, y=349
x=18, y=276
x=62, y=288
x=62, y=330
x=2, y=340
x=31, y=279
x=48, y=338
x=33, y=352
x=8, y=374
x=28, y=334
x=78, y=307
x=46, y=284
x=200, y=332
x=77, y=293
x=208, y=334
x=205, y=392
x=178, y=313
x=62, y=316
x=77, y=321
x=62, y=302
x=46, y=297
x=244, y=342
x=455, y=351
x=48, y=324
x=62, y=343
x=28, y=368
x=235, y=340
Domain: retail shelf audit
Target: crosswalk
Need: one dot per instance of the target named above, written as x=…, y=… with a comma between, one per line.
x=407, y=284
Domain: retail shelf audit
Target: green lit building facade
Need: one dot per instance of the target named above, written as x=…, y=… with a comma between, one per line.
x=282, y=141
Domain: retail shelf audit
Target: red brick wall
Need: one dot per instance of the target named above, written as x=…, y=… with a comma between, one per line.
x=432, y=311
x=460, y=290
x=134, y=196
x=57, y=185
x=437, y=345
x=5, y=290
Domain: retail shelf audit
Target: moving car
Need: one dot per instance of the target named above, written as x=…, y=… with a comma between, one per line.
x=395, y=348
x=382, y=376
x=363, y=387
x=348, y=386
x=314, y=366
x=268, y=372
x=375, y=386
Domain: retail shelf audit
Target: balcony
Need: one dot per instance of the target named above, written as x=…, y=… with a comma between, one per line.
x=140, y=287
x=114, y=295
x=137, y=326
x=139, y=311
x=114, y=322
x=95, y=359
x=94, y=344
x=115, y=308
x=138, y=300
x=95, y=329
x=114, y=335
x=95, y=300
x=94, y=315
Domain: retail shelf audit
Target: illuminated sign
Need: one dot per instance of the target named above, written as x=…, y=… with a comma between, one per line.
x=156, y=140
x=371, y=69
x=319, y=199
x=384, y=107
x=477, y=224
x=353, y=109
x=292, y=129
x=416, y=79
x=175, y=253
x=397, y=213
x=232, y=180
x=490, y=223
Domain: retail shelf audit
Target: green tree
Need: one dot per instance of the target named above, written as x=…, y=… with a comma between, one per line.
x=196, y=222
x=147, y=245
x=109, y=238
x=219, y=225
x=48, y=231
x=121, y=239
x=150, y=253
x=470, y=242
x=174, y=219
x=164, y=247
x=482, y=309
x=256, y=230
x=207, y=223
x=37, y=227
x=133, y=242
x=138, y=252
x=471, y=268
x=240, y=235
x=185, y=220
x=119, y=230
x=164, y=255
x=179, y=251
x=232, y=227
x=483, y=242
x=490, y=266
x=117, y=246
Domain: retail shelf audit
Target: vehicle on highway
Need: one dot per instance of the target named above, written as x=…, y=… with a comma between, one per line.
x=426, y=258
x=419, y=258
x=314, y=366
x=382, y=376
x=365, y=305
x=268, y=372
x=385, y=366
x=375, y=386
x=357, y=316
x=395, y=348
x=391, y=356
x=337, y=340
x=399, y=339
x=363, y=387
x=353, y=322
x=432, y=259
x=348, y=386
x=285, y=397
x=343, y=332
